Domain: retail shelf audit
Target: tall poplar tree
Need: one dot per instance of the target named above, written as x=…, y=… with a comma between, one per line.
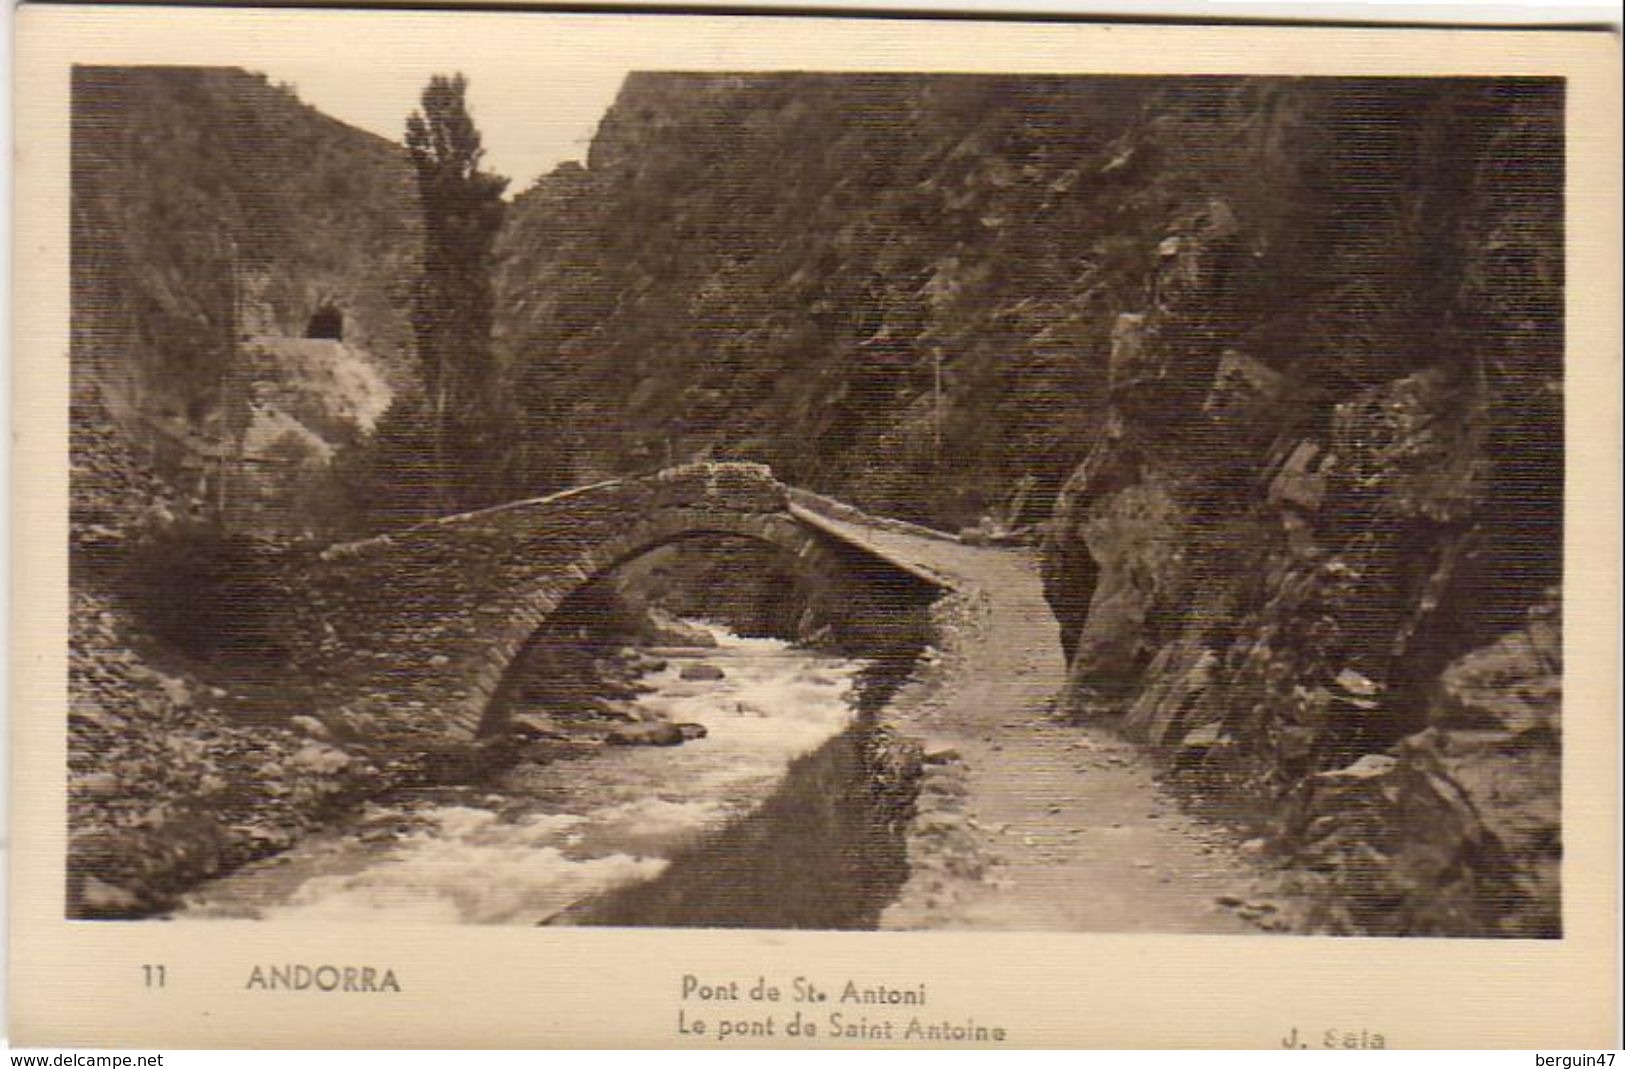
x=453, y=301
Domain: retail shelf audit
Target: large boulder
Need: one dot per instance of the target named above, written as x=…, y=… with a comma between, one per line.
x=1243, y=390
x=1513, y=685
x=658, y=733
x=1394, y=845
x=1134, y=538
x=1458, y=829
x=1176, y=698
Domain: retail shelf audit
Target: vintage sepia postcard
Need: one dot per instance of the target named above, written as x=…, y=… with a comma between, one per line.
x=568, y=529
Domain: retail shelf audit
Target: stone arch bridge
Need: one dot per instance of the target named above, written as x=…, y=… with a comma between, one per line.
x=415, y=630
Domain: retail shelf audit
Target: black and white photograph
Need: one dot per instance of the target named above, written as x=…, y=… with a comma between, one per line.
x=743, y=494
x=821, y=501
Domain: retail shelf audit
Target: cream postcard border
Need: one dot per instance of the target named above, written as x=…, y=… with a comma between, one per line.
x=79, y=983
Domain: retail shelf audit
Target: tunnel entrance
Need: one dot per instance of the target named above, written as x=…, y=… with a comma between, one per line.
x=326, y=322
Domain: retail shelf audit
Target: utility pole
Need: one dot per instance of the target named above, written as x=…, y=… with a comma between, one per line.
x=936, y=398
x=227, y=368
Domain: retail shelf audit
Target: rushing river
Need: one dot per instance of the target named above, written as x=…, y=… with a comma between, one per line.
x=541, y=837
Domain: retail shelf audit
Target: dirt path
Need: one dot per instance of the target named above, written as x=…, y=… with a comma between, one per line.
x=1029, y=823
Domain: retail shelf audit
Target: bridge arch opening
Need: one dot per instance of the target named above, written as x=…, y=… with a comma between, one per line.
x=664, y=594
x=326, y=322
x=422, y=628
x=780, y=581
x=753, y=588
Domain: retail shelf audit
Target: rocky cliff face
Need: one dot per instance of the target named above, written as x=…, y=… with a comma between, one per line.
x=1325, y=509
x=222, y=231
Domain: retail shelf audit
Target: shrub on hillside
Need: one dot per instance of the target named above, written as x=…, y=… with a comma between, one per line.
x=208, y=591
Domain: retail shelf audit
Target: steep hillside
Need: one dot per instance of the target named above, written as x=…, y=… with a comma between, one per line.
x=788, y=268
x=214, y=216
x=240, y=271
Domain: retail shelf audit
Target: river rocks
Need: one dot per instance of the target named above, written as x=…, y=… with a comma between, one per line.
x=606, y=709
x=658, y=734
x=654, y=734
x=530, y=726
x=169, y=788
x=309, y=725
x=701, y=672
x=664, y=629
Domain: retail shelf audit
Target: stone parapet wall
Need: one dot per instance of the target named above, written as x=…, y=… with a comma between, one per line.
x=840, y=510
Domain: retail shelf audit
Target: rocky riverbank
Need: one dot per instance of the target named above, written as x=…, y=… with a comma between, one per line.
x=182, y=773
x=166, y=786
